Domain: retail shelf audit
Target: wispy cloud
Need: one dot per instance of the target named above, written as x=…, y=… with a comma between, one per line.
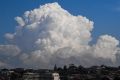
x=117, y=9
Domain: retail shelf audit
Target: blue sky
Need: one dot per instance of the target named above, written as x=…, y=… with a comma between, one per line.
x=104, y=13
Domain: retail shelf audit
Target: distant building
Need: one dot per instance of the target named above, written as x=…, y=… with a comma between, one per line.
x=56, y=76
x=39, y=76
x=31, y=76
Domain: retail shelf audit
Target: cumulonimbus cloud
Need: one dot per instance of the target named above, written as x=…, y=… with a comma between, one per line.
x=50, y=35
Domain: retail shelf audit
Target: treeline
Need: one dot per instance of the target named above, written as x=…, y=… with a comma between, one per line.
x=73, y=72
x=71, y=69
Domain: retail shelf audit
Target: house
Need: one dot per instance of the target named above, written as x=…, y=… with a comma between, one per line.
x=56, y=76
x=31, y=76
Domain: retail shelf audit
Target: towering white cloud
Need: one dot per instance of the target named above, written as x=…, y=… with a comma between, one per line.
x=9, y=50
x=2, y=64
x=106, y=47
x=49, y=35
x=20, y=21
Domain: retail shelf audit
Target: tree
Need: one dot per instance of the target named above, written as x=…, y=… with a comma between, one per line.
x=72, y=69
x=65, y=68
x=55, y=68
